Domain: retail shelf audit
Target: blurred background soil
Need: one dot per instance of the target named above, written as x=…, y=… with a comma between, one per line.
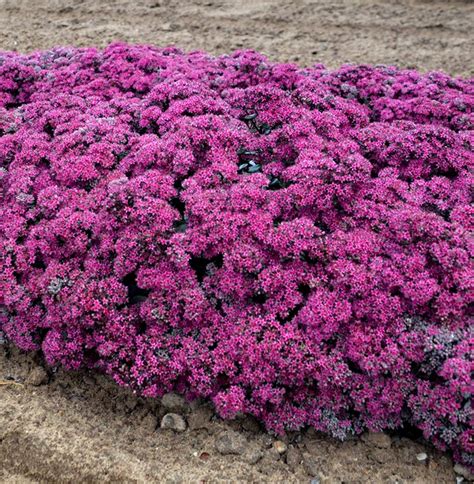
x=80, y=427
x=427, y=34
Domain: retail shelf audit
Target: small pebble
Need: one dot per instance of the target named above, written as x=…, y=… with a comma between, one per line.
x=422, y=456
x=273, y=454
x=204, y=456
x=231, y=442
x=280, y=446
x=464, y=472
x=253, y=454
x=250, y=117
x=267, y=440
x=174, y=422
x=311, y=466
x=37, y=376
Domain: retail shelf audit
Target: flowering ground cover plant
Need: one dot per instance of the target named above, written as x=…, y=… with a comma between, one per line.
x=290, y=243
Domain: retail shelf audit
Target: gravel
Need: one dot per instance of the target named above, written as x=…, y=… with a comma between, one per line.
x=173, y=421
x=231, y=442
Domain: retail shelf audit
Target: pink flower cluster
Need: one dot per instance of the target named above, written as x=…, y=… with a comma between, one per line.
x=289, y=243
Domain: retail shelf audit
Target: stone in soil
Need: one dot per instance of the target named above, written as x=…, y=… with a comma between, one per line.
x=253, y=454
x=37, y=376
x=280, y=446
x=173, y=421
x=464, y=472
x=267, y=440
x=230, y=442
x=273, y=454
x=422, y=456
x=311, y=466
x=205, y=456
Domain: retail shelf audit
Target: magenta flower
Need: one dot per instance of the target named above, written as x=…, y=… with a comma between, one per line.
x=290, y=243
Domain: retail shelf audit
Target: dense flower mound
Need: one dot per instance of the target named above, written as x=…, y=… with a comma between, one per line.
x=289, y=243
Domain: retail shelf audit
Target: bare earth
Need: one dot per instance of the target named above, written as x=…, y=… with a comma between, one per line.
x=427, y=34
x=80, y=427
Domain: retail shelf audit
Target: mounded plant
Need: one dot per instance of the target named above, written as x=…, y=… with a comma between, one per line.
x=292, y=243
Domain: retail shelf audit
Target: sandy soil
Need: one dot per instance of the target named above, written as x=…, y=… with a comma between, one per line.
x=79, y=427
x=428, y=34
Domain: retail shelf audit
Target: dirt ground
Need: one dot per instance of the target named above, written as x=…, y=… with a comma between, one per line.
x=79, y=427
x=427, y=34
